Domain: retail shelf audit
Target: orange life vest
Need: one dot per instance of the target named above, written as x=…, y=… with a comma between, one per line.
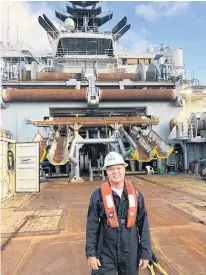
x=109, y=205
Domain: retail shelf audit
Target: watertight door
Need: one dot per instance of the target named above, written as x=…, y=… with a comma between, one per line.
x=27, y=167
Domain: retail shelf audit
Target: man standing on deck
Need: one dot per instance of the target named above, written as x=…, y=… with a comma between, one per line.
x=117, y=233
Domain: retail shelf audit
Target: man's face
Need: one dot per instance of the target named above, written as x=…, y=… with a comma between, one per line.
x=116, y=173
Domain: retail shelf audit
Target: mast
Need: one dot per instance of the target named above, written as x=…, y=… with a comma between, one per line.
x=87, y=17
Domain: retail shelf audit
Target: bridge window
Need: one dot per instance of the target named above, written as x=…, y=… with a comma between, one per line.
x=84, y=46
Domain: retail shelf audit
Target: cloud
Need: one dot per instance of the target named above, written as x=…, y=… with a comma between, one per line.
x=193, y=16
x=156, y=10
x=134, y=42
x=145, y=32
x=24, y=17
x=146, y=11
x=199, y=21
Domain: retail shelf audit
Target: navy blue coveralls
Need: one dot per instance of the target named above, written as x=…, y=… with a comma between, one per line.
x=119, y=249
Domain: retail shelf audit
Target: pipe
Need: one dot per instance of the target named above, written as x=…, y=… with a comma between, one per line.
x=58, y=94
x=122, y=148
x=87, y=133
x=73, y=160
x=72, y=147
x=137, y=94
x=124, y=153
x=184, y=148
x=71, y=152
x=159, y=163
x=37, y=94
x=53, y=76
x=113, y=77
x=128, y=138
x=128, y=153
x=76, y=168
x=115, y=135
x=97, y=141
x=7, y=140
x=116, y=76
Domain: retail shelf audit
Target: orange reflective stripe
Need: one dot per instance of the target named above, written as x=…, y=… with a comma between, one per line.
x=109, y=205
x=132, y=198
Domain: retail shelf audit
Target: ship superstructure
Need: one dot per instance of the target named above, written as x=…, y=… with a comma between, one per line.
x=85, y=97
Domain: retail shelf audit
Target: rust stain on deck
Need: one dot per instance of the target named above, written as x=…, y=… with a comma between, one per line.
x=179, y=240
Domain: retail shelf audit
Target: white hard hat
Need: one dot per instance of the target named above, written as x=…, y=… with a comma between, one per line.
x=113, y=158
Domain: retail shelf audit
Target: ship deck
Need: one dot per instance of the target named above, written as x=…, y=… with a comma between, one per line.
x=52, y=238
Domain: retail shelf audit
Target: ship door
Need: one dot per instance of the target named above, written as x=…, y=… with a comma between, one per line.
x=27, y=167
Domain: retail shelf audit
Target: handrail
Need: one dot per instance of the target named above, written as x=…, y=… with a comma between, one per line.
x=86, y=52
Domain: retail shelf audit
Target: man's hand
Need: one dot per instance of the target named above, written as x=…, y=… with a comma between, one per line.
x=94, y=263
x=143, y=263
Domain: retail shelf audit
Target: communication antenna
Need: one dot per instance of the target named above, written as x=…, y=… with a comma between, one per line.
x=109, y=10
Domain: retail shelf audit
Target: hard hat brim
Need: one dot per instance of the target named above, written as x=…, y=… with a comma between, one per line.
x=125, y=164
